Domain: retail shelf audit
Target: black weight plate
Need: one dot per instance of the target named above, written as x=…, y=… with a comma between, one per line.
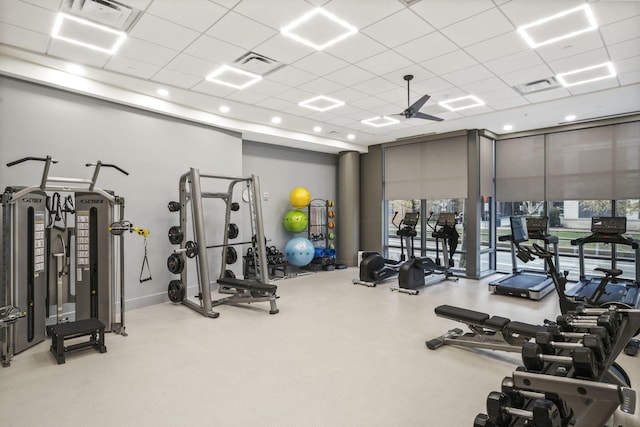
x=175, y=263
x=229, y=274
x=231, y=255
x=233, y=231
x=174, y=206
x=176, y=291
x=175, y=235
x=235, y=206
x=191, y=249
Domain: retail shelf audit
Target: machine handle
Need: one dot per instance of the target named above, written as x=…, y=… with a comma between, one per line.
x=25, y=159
x=108, y=165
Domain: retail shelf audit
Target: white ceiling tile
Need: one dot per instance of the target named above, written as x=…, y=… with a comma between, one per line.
x=295, y=95
x=449, y=62
x=384, y=62
x=355, y=48
x=147, y=52
x=450, y=93
x=321, y=87
x=349, y=76
x=399, y=28
x=229, y=4
x=370, y=102
x=163, y=32
x=347, y=94
x=283, y=49
x=522, y=12
x=131, y=67
x=497, y=47
x=570, y=47
x=527, y=75
x=274, y=13
x=215, y=50
x=482, y=109
x=434, y=84
x=268, y=87
x=468, y=75
x=320, y=63
x=189, y=64
x=624, y=50
x=213, y=89
x=613, y=11
x=582, y=60
x=508, y=103
x=500, y=94
x=23, y=38
x=176, y=78
x=627, y=65
x=253, y=33
x=547, y=95
x=426, y=47
x=419, y=74
x=27, y=16
x=195, y=14
x=476, y=28
x=621, y=31
x=246, y=96
x=78, y=54
x=274, y=104
x=483, y=86
x=375, y=86
x=359, y=13
x=291, y=76
x=514, y=62
x=441, y=13
x=630, y=78
x=47, y=4
x=594, y=86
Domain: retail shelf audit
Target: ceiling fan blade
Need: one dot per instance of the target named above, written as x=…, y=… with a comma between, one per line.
x=419, y=115
x=419, y=103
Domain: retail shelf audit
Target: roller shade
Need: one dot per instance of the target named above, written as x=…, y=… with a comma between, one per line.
x=520, y=169
x=434, y=169
x=486, y=166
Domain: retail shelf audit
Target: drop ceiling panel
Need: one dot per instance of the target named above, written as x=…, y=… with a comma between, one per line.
x=268, y=87
x=196, y=14
x=442, y=13
x=614, y=11
x=213, y=89
x=547, y=95
x=399, y=28
x=27, y=16
x=469, y=75
x=252, y=34
x=147, y=52
x=426, y=47
x=514, y=62
x=77, y=54
x=320, y=63
x=508, y=103
x=163, y=32
x=192, y=65
x=499, y=95
x=483, y=86
x=434, y=84
x=47, y=4
x=582, y=60
x=321, y=86
x=621, y=31
x=594, y=86
x=274, y=13
x=176, y=78
x=274, y=104
x=477, y=28
x=214, y=50
x=522, y=12
x=384, y=63
x=449, y=62
x=23, y=38
x=349, y=76
x=131, y=67
x=360, y=14
x=355, y=48
x=625, y=50
x=630, y=78
x=375, y=86
x=246, y=96
x=527, y=75
x=347, y=94
x=283, y=49
x=627, y=65
x=291, y=76
x=497, y=47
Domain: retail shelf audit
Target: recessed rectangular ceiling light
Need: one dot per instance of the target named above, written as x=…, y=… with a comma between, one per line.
x=322, y=29
x=559, y=26
x=233, y=77
x=461, y=103
x=587, y=75
x=321, y=103
x=378, y=122
x=87, y=34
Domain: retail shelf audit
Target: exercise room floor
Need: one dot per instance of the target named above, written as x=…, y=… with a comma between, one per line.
x=337, y=354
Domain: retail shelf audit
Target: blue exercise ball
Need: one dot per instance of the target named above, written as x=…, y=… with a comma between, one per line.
x=299, y=251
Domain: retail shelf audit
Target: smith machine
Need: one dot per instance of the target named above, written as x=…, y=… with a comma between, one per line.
x=59, y=253
x=191, y=211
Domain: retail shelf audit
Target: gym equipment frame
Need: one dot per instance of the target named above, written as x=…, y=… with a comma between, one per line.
x=242, y=291
x=27, y=255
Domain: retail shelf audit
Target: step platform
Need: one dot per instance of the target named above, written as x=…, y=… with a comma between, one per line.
x=80, y=328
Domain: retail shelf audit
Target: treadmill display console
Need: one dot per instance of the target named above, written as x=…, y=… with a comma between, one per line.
x=411, y=219
x=609, y=225
x=537, y=224
x=519, y=229
x=446, y=218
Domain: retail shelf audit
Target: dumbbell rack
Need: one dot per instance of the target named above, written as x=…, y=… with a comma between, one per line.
x=318, y=232
x=569, y=375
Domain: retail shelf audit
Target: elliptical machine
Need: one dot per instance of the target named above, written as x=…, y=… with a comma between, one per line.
x=418, y=272
x=375, y=269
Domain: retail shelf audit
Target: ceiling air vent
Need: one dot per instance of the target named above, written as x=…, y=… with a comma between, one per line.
x=537, y=86
x=111, y=13
x=408, y=3
x=257, y=64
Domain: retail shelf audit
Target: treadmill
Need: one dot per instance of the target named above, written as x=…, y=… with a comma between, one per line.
x=618, y=290
x=531, y=284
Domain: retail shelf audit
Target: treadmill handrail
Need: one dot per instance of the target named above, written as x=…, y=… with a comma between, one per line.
x=606, y=238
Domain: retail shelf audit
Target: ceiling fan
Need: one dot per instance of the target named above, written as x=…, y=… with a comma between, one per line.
x=412, y=110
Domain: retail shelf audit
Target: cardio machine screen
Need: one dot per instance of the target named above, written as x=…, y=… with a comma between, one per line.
x=446, y=218
x=411, y=218
x=519, y=229
x=537, y=224
x=609, y=225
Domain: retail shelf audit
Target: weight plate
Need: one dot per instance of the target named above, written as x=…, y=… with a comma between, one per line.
x=175, y=235
x=174, y=206
x=229, y=274
x=176, y=291
x=235, y=206
x=175, y=263
x=231, y=255
x=191, y=249
x=233, y=231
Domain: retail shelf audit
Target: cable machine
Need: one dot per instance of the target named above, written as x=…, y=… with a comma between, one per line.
x=48, y=263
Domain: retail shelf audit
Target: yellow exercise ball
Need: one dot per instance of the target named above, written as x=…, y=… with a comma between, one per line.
x=300, y=197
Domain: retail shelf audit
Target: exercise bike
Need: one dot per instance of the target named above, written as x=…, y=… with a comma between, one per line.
x=374, y=269
x=419, y=272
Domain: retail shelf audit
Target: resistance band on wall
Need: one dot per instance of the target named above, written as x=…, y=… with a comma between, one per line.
x=118, y=228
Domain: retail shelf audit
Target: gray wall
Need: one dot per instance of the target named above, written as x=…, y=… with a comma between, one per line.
x=371, y=199
x=155, y=150
x=282, y=169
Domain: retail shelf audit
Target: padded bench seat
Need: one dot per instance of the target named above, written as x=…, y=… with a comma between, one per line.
x=523, y=329
x=461, y=314
x=248, y=285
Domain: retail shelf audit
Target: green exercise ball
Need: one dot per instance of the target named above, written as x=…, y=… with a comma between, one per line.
x=295, y=221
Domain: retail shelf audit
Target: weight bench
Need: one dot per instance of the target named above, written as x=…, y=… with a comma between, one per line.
x=80, y=328
x=246, y=292
x=488, y=332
